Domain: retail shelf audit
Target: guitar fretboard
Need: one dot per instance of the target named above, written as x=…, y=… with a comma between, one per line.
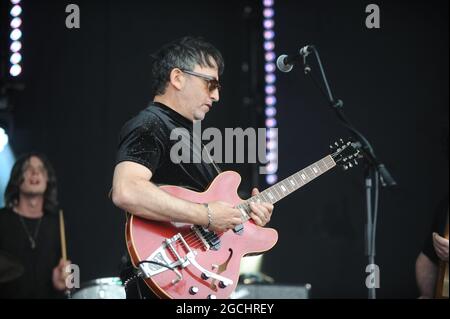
x=290, y=184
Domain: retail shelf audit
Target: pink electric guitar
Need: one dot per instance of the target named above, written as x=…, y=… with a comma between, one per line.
x=184, y=261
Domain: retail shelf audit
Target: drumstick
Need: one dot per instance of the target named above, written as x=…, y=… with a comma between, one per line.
x=62, y=235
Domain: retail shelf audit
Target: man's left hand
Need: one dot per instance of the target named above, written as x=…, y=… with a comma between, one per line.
x=441, y=246
x=261, y=211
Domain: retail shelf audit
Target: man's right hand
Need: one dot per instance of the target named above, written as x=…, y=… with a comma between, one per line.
x=223, y=216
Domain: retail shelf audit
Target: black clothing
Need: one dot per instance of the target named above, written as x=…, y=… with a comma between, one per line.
x=38, y=263
x=145, y=140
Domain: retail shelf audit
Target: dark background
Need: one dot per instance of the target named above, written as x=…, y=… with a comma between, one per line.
x=81, y=85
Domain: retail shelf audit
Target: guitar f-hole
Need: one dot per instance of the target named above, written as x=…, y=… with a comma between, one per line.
x=220, y=269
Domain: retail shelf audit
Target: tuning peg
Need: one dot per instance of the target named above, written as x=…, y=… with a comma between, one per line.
x=331, y=146
x=356, y=162
x=342, y=141
x=336, y=143
x=350, y=165
x=345, y=167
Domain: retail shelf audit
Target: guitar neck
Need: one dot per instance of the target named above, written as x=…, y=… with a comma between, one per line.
x=292, y=183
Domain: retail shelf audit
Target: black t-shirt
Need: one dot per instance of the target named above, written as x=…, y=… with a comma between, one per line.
x=438, y=226
x=145, y=139
x=37, y=263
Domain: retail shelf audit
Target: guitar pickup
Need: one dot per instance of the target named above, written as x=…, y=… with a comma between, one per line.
x=239, y=229
x=209, y=239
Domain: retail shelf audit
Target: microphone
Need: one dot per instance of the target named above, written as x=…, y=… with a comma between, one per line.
x=285, y=62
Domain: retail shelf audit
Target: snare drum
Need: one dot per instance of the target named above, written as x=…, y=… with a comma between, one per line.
x=102, y=288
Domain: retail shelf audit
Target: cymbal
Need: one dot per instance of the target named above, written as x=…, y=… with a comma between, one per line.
x=10, y=267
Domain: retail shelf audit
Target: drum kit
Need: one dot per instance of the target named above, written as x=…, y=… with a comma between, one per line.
x=102, y=288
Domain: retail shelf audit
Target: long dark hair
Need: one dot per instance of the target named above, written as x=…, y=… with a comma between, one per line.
x=17, y=176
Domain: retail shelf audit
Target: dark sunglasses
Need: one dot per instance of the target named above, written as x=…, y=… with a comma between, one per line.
x=212, y=82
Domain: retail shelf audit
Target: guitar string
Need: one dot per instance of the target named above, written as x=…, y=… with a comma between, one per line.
x=245, y=205
x=192, y=239
x=194, y=242
x=210, y=235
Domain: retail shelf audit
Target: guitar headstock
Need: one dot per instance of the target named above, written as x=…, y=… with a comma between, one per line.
x=344, y=154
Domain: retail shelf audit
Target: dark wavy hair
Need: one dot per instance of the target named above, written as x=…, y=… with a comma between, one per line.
x=17, y=176
x=184, y=53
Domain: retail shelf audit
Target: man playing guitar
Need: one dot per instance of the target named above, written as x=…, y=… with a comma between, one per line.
x=186, y=84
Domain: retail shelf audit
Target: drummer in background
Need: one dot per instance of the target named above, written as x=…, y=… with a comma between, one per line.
x=29, y=230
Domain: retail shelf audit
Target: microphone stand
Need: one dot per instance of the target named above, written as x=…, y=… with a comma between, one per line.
x=375, y=171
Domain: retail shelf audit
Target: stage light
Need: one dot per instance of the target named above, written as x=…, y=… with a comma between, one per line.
x=16, y=22
x=268, y=23
x=271, y=100
x=7, y=160
x=270, y=78
x=15, y=58
x=271, y=156
x=270, y=88
x=16, y=34
x=270, y=56
x=271, y=111
x=268, y=13
x=271, y=122
x=271, y=133
x=15, y=70
x=269, y=45
x=15, y=46
x=16, y=11
x=269, y=35
x=272, y=145
x=271, y=168
x=270, y=67
x=271, y=179
x=3, y=139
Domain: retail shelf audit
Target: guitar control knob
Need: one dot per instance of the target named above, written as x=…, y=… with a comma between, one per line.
x=205, y=276
x=193, y=290
x=222, y=284
x=212, y=297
